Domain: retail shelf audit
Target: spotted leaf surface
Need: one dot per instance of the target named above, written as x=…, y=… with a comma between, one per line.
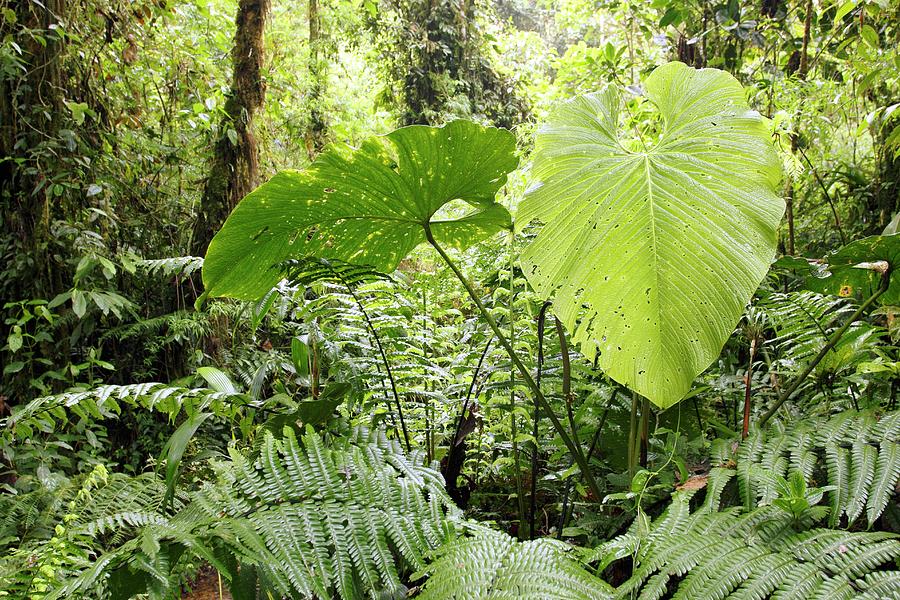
x=651, y=255
x=365, y=206
x=852, y=271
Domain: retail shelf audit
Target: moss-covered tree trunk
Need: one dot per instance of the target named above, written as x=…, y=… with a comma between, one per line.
x=234, y=171
x=438, y=63
x=31, y=102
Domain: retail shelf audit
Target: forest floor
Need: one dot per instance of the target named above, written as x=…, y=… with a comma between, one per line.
x=207, y=587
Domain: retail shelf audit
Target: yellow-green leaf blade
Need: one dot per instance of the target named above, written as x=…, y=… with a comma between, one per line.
x=651, y=256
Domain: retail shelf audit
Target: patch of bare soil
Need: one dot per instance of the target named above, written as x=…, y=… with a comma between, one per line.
x=206, y=587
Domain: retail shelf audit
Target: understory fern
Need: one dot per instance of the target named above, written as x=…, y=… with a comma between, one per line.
x=492, y=565
x=858, y=453
x=117, y=507
x=171, y=267
x=741, y=554
x=44, y=414
x=305, y=518
x=57, y=533
x=803, y=323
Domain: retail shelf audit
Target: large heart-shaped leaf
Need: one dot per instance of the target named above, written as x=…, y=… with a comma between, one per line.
x=651, y=255
x=856, y=269
x=365, y=206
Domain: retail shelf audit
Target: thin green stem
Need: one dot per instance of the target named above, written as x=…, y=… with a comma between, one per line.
x=577, y=454
x=633, y=437
x=465, y=406
x=536, y=416
x=645, y=432
x=514, y=430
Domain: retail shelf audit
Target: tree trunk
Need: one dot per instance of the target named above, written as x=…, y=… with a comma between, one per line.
x=30, y=105
x=887, y=187
x=234, y=171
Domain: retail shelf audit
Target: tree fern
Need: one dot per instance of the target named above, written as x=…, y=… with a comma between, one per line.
x=312, y=518
x=854, y=452
x=46, y=413
x=492, y=565
x=171, y=267
x=757, y=553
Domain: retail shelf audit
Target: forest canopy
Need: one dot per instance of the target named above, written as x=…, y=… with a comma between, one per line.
x=456, y=299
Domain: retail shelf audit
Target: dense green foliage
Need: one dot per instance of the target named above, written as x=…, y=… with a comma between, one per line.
x=449, y=300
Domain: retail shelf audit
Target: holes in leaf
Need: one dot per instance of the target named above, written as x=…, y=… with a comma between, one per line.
x=450, y=211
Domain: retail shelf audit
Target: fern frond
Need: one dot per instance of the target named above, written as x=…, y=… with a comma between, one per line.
x=309, y=270
x=171, y=267
x=493, y=565
x=881, y=585
x=887, y=473
x=862, y=472
x=855, y=452
x=755, y=553
x=46, y=413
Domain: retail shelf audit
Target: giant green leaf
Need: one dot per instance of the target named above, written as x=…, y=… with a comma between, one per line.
x=366, y=206
x=652, y=254
x=855, y=269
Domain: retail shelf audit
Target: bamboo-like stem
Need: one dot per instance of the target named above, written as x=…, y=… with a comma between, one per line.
x=426, y=399
x=832, y=342
x=314, y=362
x=526, y=376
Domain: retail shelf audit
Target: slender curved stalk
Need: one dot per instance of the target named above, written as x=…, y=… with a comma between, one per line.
x=818, y=178
x=633, y=437
x=465, y=406
x=748, y=390
x=529, y=381
x=699, y=418
x=456, y=455
x=387, y=397
x=387, y=365
x=514, y=431
x=645, y=431
x=567, y=379
x=832, y=342
x=566, y=509
x=532, y=509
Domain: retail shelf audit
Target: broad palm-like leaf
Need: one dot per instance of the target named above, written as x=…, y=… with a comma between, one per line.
x=366, y=206
x=652, y=255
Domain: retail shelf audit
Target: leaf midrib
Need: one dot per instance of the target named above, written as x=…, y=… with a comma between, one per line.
x=655, y=253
